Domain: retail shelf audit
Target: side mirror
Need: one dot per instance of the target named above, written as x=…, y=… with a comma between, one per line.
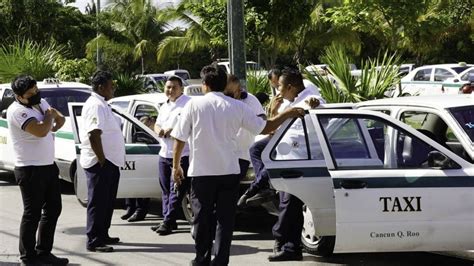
x=4, y=114
x=438, y=160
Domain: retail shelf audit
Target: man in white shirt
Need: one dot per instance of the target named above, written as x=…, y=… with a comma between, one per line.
x=31, y=122
x=102, y=153
x=245, y=139
x=168, y=117
x=210, y=123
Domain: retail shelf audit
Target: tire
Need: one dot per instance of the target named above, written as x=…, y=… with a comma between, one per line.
x=186, y=206
x=83, y=203
x=313, y=244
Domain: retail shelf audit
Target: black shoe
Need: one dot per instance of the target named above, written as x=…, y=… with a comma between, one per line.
x=111, y=240
x=262, y=196
x=30, y=262
x=164, y=229
x=127, y=215
x=102, y=248
x=174, y=226
x=242, y=203
x=137, y=217
x=51, y=259
x=285, y=256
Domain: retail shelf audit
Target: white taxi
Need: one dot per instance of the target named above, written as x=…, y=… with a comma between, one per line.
x=433, y=79
x=371, y=183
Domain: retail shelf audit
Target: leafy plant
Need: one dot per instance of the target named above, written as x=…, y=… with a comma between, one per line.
x=256, y=82
x=74, y=69
x=128, y=85
x=339, y=85
x=28, y=57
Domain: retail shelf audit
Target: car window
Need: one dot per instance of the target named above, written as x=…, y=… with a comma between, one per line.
x=293, y=144
x=465, y=118
x=442, y=74
x=460, y=69
x=394, y=148
x=7, y=98
x=59, y=98
x=121, y=105
x=423, y=75
x=466, y=75
x=145, y=110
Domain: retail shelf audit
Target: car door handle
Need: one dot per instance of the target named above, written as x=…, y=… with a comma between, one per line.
x=291, y=174
x=352, y=184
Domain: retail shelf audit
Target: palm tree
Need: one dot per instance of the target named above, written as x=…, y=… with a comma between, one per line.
x=137, y=21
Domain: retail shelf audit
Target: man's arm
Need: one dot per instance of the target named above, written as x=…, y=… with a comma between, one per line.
x=178, y=147
x=96, y=145
x=274, y=122
x=58, y=120
x=41, y=128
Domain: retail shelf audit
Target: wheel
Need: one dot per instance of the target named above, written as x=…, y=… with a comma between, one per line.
x=313, y=244
x=83, y=203
x=186, y=206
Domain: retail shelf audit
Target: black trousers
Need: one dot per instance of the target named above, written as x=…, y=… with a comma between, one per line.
x=41, y=194
x=287, y=230
x=102, y=185
x=214, y=201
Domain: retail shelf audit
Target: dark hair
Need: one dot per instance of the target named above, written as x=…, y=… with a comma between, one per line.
x=214, y=77
x=177, y=79
x=232, y=78
x=274, y=71
x=22, y=83
x=100, y=77
x=292, y=76
x=262, y=97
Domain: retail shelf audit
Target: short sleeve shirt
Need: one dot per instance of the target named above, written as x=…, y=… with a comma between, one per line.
x=244, y=137
x=29, y=150
x=97, y=114
x=210, y=124
x=168, y=118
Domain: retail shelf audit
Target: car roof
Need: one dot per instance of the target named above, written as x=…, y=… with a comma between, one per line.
x=446, y=65
x=55, y=84
x=431, y=101
x=148, y=97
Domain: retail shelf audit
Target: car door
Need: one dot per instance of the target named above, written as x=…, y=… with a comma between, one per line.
x=420, y=82
x=440, y=75
x=420, y=199
x=139, y=176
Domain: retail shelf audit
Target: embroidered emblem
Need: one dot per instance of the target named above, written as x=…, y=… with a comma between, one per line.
x=24, y=115
x=94, y=120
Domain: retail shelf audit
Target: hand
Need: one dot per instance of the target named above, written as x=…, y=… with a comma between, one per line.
x=167, y=132
x=312, y=102
x=295, y=112
x=50, y=113
x=275, y=104
x=161, y=134
x=178, y=175
x=102, y=162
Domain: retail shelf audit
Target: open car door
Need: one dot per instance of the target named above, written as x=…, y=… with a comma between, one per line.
x=139, y=176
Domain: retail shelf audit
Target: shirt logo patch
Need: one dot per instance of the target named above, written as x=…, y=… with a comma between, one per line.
x=94, y=120
x=24, y=115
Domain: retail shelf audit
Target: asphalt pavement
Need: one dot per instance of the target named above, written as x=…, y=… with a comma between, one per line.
x=252, y=242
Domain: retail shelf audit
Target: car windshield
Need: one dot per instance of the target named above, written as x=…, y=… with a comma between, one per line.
x=59, y=98
x=465, y=117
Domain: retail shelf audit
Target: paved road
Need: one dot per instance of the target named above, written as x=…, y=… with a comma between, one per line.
x=140, y=246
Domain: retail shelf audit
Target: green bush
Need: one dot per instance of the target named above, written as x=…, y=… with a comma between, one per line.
x=28, y=57
x=79, y=70
x=128, y=85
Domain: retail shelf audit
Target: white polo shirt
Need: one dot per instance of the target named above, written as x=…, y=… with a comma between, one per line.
x=310, y=85
x=210, y=123
x=168, y=118
x=28, y=149
x=97, y=114
x=246, y=138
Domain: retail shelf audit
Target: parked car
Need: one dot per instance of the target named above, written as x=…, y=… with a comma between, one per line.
x=431, y=79
x=182, y=73
x=58, y=94
x=250, y=65
x=371, y=183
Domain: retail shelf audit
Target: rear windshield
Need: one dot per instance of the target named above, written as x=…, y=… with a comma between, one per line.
x=465, y=117
x=460, y=69
x=59, y=98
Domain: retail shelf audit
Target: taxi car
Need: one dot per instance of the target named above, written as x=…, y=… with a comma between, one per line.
x=371, y=183
x=433, y=79
x=58, y=94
